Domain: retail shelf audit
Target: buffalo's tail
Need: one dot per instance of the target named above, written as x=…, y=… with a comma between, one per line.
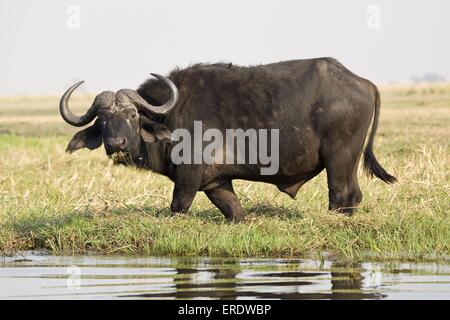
x=371, y=164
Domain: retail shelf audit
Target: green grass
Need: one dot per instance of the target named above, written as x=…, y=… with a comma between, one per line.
x=81, y=203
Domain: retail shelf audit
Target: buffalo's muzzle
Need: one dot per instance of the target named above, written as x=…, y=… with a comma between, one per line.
x=115, y=144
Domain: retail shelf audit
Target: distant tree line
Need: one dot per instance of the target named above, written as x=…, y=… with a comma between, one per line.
x=430, y=77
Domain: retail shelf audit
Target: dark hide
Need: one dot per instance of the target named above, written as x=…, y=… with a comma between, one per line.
x=322, y=109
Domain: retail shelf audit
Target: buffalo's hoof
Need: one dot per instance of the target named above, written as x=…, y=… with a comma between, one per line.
x=177, y=213
x=345, y=211
x=237, y=218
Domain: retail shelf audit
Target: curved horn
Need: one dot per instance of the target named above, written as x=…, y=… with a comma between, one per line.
x=166, y=107
x=173, y=94
x=71, y=118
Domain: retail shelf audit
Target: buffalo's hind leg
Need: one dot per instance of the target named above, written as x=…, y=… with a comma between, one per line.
x=225, y=199
x=343, y=188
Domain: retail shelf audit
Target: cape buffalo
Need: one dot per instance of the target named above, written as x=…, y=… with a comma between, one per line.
x=321, y=110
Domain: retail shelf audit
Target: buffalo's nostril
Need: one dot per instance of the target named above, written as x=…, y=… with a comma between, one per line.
x=116, y=143
x=119, y=141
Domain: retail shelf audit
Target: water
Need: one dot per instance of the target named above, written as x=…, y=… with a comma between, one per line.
x=99, y=277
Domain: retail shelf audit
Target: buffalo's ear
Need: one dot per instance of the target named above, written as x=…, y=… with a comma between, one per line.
x=90, y=138
x=152, y=131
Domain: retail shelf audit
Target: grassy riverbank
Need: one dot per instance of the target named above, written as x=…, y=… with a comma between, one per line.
x=80, y=203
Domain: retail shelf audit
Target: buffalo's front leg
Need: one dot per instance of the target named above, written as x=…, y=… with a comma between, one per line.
x=225, y=199
x=182, y=199
x=187, y=182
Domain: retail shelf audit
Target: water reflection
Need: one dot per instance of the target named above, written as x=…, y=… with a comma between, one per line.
x=347, y=282
x=215, y=278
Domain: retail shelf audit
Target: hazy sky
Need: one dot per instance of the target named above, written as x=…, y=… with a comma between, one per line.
x=117, y=44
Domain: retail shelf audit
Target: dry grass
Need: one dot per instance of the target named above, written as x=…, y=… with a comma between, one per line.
x=78, y=203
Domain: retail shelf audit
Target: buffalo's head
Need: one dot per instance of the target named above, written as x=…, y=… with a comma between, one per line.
x=123, y=120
